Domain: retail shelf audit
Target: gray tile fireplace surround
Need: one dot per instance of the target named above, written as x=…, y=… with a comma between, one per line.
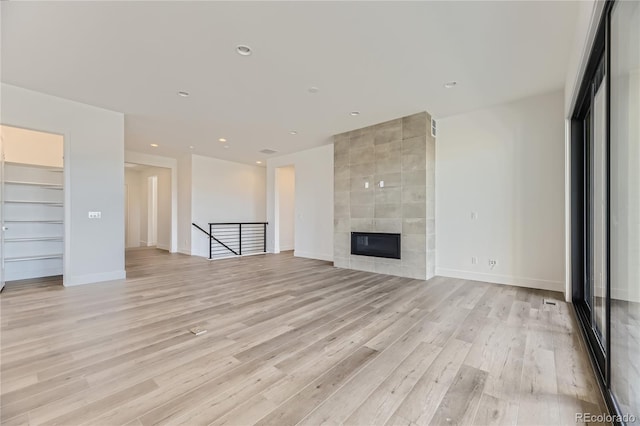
x=400, y=153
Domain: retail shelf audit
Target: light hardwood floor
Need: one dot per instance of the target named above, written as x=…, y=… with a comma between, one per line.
x=289, y=341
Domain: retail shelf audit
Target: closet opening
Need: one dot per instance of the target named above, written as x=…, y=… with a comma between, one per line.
x=32, y=210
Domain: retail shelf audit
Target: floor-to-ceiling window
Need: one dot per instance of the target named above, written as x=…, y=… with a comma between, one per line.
x=625, y=205
x=606, y=207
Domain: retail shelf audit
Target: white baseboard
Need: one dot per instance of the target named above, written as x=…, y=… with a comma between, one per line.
x=163, y=247
x=502, y=279
x=318, y=256
x=185, y=251
x=70, y=281
x=287, y=247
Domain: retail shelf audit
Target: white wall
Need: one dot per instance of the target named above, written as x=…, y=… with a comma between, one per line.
x=94, y=178
x=184, y=205
x=506, y=163
x=28, y=146
x=223, y=191
x=134, y=201
x=164, y=209
x=313, y=201
x=285, y=188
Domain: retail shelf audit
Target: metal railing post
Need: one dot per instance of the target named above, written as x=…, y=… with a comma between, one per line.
x=240, y=239
x=264, y=238
x=210, y=242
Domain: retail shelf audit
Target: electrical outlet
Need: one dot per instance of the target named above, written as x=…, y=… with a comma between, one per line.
x=95, y=215
x=474, y=260
x=492, y=263
x=474, y=215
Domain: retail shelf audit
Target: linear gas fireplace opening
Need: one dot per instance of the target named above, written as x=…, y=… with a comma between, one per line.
x=376, y=244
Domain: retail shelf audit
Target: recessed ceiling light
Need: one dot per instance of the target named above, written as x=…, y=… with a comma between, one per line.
x=226, y=147
x=258, y=162
x=293, y=132
x=243, y=50
x=155, y=145
x=313, y=89
x=222, y=140
x=450, y=84
x=191, y=147
x=354, y=113
x=183, y=93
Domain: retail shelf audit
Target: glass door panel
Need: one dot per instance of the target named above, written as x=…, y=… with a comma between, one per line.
x=625, y=207
x=587, y=291
x=598, y=218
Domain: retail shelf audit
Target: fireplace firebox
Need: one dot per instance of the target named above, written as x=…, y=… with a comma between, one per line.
x=376, y=244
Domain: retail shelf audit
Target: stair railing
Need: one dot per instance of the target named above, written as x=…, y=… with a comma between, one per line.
x=235, y=238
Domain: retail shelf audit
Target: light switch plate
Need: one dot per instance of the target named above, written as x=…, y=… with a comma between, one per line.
x=95, y=215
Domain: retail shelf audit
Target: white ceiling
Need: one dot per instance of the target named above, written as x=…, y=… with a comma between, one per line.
x=384, y=59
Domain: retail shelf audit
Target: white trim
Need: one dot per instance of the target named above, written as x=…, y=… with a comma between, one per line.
x=163, y=247
x=288, y=247
x=596, y=15
x=94, y=278
x=184, y=251
x=317, y=256
x=502, y=279
x=589, y=38
x=567, y=212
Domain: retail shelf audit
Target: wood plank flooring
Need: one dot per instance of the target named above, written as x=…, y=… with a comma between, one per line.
x=290, y=341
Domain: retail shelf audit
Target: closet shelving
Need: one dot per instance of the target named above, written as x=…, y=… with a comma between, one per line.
x=34, y=217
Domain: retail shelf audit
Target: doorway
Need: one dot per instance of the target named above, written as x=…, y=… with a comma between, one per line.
x=148, y=215
x=285, y=179
x=32, y=209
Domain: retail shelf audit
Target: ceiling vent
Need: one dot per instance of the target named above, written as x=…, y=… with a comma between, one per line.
x=268, y=151
x=433, y=127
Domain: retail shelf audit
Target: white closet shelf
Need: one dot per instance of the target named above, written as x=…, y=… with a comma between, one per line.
x=46, y=203
x=32, y=221
x=38, y=166
x=21, y=239
x=37, y=257
x=42, y=184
